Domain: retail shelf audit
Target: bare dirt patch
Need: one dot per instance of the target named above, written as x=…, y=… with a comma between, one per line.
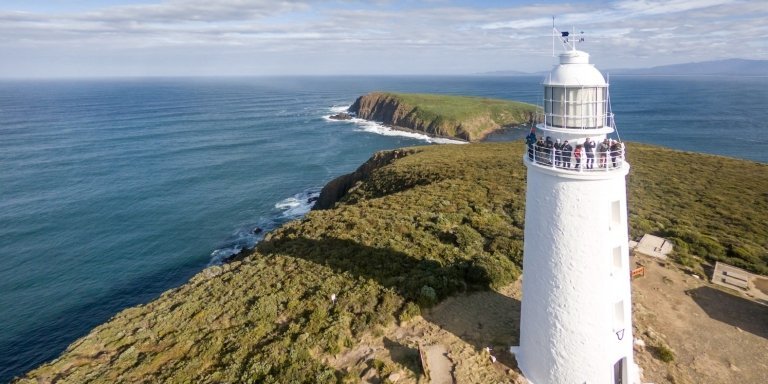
x=713, y=336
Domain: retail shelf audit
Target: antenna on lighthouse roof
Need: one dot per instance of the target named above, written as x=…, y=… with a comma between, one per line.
x=568, y=39
x=554, y=32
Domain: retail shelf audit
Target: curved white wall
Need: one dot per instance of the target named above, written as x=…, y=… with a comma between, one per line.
x=573, y=277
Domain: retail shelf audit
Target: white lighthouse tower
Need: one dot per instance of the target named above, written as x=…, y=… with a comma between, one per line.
x=576, y=321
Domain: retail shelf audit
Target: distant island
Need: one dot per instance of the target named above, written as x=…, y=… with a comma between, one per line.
x=458, y=117
x=727, y=67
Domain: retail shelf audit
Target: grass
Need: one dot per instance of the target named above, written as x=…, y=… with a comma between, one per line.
x=438, y=221
x=663, y=353
x=463, y=108
x=713, y=208
x=463, y=117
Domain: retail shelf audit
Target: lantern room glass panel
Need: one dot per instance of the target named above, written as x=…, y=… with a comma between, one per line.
x=575, y=107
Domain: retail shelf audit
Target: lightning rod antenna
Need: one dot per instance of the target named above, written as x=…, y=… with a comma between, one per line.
x=553, y=36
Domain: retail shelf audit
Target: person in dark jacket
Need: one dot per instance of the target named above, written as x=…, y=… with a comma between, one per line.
x=603, y=150
x=530, y=140
x=566, y=151
x=539, y=150
x=617, y=150
x=558, y=153
x=548, y=150
x=589, y=150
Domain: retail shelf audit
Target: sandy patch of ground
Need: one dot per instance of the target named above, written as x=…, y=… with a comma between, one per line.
x=715, y=337
x=463, y=325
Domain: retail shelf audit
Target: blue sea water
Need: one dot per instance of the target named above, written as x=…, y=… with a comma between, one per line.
x=113, y=191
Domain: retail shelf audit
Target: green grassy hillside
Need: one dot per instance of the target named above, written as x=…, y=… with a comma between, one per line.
x=465, y=108
x=462, y=117
x=714, y=208
x=423, y=225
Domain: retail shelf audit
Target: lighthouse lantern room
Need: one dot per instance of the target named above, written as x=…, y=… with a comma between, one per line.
x=576, y=320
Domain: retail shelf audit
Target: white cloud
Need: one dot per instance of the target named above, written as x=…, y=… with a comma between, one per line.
x=659, y=7
x=438, y=37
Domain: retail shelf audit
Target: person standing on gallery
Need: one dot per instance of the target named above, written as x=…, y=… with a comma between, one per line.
x=539, y=150
x=614, y=152
x=578, y=154
x=565, y=153
x=603, y=149
x=530, y=140
x=549, y=150
x=589, y=150
x=558, y=153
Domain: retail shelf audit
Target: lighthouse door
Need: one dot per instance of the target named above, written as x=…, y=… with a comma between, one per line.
x=618, y=371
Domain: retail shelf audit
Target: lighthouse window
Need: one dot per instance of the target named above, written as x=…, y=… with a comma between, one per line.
x=574, y=113
x=618, y=315
x=575, y=107
x=618, y=371
x=617, y=257
x=600, y=106
x=548, y=99
x=558, y=107
x=615, y=214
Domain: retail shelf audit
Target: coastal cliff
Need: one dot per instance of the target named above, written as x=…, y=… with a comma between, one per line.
x=460, y=117
x=407, y=230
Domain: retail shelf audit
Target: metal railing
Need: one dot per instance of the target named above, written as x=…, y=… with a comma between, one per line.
x=597, y=161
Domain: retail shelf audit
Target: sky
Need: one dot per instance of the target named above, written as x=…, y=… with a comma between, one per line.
x=103, y=38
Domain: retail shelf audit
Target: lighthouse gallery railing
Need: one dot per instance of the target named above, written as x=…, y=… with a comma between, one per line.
x=600, y=161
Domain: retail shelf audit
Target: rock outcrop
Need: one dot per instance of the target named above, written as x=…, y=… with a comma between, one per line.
x=338, y=187
x=341, y=116
x=477, y=118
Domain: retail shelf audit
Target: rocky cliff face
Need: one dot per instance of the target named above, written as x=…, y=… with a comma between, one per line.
x=337, y=188
x=391, y=110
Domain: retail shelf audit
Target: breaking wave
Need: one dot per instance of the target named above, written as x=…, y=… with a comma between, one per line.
x=362, y=125
x=247, y=236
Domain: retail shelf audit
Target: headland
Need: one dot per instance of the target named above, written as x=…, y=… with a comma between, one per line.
x=445, y=116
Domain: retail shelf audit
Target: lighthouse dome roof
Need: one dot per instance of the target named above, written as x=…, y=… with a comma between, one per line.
x=575, y=70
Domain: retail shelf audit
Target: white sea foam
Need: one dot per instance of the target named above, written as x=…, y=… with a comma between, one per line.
x=299, y=204
x=247, y=236
x=381, y=129
x=339, y=108
x=363, y=125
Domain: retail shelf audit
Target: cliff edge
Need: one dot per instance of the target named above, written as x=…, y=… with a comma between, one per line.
x=459, y=117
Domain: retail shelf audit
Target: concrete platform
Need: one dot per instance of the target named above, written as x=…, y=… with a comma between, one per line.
x=751, y=286
x=654, y=246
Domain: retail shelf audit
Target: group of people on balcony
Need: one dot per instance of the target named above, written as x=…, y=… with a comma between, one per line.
x=545, y=151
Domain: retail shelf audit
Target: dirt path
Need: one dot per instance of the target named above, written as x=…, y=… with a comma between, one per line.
x=439, y=365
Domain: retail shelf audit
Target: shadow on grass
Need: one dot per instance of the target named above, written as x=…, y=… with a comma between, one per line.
x=406, y=356
x=730, y=309
x=483, y=319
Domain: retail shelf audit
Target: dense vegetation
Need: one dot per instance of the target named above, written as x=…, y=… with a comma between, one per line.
x=463, y=117
x=435, y=221
x=713, y=208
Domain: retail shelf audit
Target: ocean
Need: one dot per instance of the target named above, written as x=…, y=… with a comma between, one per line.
x=113, y=191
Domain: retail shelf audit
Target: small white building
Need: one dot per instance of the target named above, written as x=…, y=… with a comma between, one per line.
x=576, y=320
